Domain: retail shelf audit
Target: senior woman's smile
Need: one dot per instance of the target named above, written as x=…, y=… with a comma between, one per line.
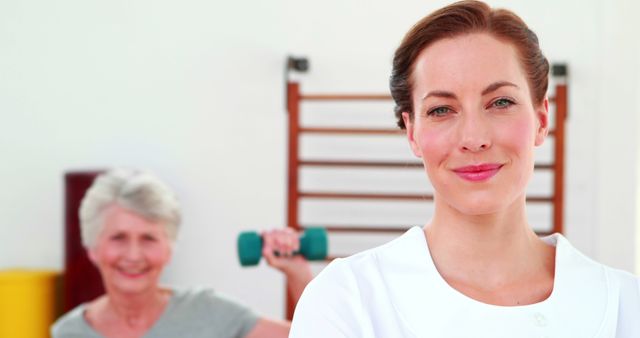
x=131, y=250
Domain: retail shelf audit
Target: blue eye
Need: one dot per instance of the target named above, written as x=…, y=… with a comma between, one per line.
x=503, y=103
x=438, y=111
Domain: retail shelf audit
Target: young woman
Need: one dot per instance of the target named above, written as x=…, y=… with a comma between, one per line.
x=470, y=86
x=129, y=222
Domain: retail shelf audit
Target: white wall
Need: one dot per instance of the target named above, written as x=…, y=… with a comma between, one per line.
x=617, y=146
x=193, y=90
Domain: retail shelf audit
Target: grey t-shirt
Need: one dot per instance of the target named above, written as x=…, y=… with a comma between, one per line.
x=193, y=313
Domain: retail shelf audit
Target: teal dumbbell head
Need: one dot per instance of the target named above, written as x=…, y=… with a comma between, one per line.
x=313, y=246
x=249, y=248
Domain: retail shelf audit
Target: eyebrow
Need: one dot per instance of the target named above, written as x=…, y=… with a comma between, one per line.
x=496, y=85
x=490, y=88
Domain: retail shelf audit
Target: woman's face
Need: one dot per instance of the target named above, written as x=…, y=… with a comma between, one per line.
x=130, y=252
x=474, y=124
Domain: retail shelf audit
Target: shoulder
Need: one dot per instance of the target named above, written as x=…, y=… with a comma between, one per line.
x=622, y=282
x=593, y=277
x=406, y=250
x=616, y=292
x=400, y=251
x=332, y=291
x=70, y=324
x=204, y=307
x=628, y=297
x=336, y=303
x=629, y=290
x=348, y=274
x=629, y=283
x=206, y=300
x=330, y=304
x=338, y=276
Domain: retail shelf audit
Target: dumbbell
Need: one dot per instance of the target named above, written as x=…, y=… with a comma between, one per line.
x=313, y=246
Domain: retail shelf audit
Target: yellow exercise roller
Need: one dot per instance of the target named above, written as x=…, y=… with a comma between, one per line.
x=28, y=302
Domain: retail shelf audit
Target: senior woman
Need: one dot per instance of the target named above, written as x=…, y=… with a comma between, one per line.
x=470, y=86
x=129, y=222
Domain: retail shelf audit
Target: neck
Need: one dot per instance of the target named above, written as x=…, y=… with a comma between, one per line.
x=137, y=310
x=484, y=229
x=494, y=248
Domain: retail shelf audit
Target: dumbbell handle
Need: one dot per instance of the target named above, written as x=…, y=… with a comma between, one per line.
x=313, y=246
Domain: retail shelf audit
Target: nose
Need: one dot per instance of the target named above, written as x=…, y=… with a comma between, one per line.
x=133, y=251
x=474, y=133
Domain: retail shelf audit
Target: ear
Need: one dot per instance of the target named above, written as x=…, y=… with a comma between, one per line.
x=409, y=127
x=170, y=236
x=93, y=256
x=542, y=118
x=172, y=246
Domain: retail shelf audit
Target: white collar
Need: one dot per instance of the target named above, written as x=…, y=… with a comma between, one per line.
x=581, y=292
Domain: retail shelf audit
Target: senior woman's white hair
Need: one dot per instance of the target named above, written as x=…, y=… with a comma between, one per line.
x=137, y=191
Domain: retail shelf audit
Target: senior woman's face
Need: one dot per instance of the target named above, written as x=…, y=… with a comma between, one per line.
x=474, y=125
x=130, y=252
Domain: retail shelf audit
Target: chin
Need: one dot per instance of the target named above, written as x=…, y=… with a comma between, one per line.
x=479, y=205
x=133, y=287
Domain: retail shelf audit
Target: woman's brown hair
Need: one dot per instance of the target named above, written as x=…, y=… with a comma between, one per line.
x=460, y=18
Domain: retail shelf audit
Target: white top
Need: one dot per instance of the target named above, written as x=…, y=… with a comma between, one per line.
x=395, y=291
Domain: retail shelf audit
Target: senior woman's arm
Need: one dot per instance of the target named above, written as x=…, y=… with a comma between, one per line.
x=267, y=328
x=279, y=246
x=297, y=269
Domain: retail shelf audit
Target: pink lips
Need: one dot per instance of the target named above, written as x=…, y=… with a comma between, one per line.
x=133, y=275
x=478, y=173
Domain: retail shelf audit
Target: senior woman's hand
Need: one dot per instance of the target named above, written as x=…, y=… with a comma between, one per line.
x=278, y=248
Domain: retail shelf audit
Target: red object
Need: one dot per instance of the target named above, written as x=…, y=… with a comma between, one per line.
x=82, y=281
